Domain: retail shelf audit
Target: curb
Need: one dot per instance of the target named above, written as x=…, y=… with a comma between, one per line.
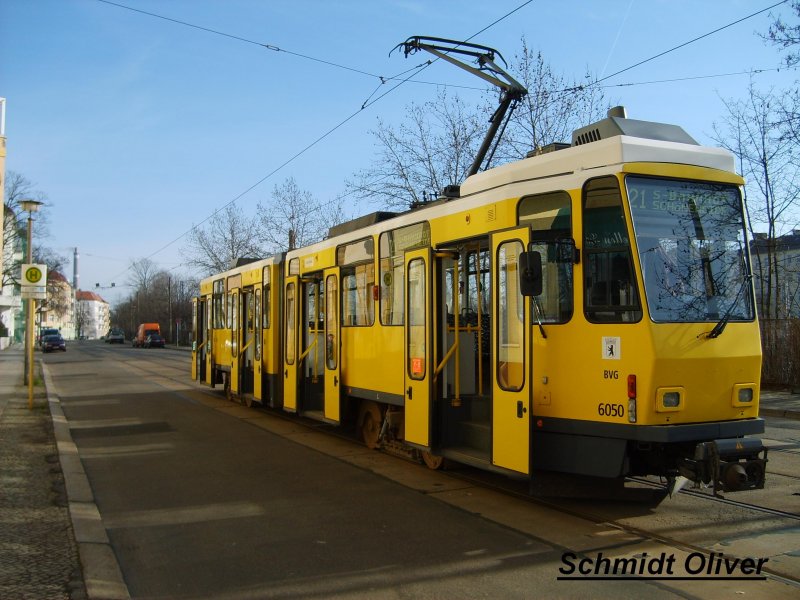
x=787, y=413
x=101, y=572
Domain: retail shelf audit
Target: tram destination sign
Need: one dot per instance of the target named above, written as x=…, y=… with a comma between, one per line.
x=33, y=282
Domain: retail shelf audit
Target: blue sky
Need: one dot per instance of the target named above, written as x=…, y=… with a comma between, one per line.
x=137, y=128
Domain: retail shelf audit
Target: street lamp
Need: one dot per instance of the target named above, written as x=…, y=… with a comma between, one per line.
x=29, y=206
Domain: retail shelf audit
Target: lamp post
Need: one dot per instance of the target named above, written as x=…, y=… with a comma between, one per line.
x=29, y=206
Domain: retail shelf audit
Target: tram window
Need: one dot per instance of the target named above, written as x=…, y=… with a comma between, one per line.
x=510, y=318
x=266, y=302
x=291, y=335
x=548, y=215
x=417, y=311
x=229, y=312
x=257, y=320
x=358, y=303
x=475, y=298
x=610, y=292
x=550, y=219
x=393, y=245
x=217, y=304
x=331, y=325
x=250, y=316
x=314, y=310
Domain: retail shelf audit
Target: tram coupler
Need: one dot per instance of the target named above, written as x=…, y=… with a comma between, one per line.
x=730, y=465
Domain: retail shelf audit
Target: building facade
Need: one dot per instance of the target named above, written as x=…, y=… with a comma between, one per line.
x=777, y=281
x=93, y=315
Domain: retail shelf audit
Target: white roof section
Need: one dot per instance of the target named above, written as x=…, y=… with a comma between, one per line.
x=603, y=153
x=605, y=156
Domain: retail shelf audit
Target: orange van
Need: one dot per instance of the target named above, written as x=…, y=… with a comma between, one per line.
x=144, y=330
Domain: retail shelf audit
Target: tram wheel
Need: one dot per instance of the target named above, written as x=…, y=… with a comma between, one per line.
x=370, y=424
x=432, y=461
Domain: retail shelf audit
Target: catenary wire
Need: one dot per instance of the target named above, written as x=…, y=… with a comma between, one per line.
x=312, y=144
x=383, y=80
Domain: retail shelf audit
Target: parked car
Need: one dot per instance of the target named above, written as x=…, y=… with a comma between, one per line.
x=53, y=342
x=45, y=331
x=115, y=336
x=154, y=341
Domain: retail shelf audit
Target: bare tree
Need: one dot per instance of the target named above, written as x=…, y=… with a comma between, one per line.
x=553, y=108
x=228, y=235
x=755, y=133
x=19, y=188
x=436, y=143
x=786, y=36
x=434, y=147
x=293, y=217
x=143, y=272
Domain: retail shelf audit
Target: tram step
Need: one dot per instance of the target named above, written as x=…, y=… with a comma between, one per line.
x=475, y=434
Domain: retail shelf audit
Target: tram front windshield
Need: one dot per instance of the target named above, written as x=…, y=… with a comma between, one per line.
x=691, y=242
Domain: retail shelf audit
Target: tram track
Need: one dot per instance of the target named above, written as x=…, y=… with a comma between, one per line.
x=723, y=500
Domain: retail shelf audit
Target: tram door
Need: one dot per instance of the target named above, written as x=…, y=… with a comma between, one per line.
x=207, y=354
x=257, y=342
x=291, y=320
x=418, y=346
x=247, y=341
x=236, y=342
x=198, y=339
x=511, y=406
x=332, y=345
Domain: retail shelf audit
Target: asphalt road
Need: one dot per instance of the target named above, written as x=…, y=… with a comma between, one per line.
x=202, y=498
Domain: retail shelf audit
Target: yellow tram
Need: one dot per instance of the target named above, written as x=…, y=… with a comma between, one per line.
x=237, y=332
x=588, y=310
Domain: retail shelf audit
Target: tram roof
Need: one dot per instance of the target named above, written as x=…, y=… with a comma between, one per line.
x=575, y=162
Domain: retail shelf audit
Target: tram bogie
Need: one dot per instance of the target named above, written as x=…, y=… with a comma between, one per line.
x=560, y=313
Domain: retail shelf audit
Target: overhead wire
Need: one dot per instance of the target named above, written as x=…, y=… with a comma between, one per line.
x=383, y=80
x=365, y=105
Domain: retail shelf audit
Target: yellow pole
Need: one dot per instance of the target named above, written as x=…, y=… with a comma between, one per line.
x=29, y=350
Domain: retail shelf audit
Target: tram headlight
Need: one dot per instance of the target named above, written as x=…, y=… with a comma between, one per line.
x=670, y=399
x=744, y=394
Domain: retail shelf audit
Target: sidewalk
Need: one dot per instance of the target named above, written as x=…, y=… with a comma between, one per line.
x=780, y=404
x=39, y=524
x=52, y=541
x=38, y=552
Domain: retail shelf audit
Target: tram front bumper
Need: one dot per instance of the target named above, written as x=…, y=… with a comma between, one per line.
x=732, y=464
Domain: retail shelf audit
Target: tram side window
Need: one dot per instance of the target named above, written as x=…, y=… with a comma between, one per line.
x=267, y=300
x=358, y=304
x=550, y=219
x=610, y=289
x=357, y=262
x=393, y=245
x=217, y=304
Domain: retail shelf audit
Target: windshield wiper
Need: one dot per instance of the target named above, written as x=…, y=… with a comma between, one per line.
x=720, y=327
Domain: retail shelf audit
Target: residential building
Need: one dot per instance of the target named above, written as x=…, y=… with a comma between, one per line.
x=93, y=315
x=58, y=310
x=12, y=321
x=784, y=289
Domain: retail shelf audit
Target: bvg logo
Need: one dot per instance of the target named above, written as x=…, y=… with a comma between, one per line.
x=33, y=275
